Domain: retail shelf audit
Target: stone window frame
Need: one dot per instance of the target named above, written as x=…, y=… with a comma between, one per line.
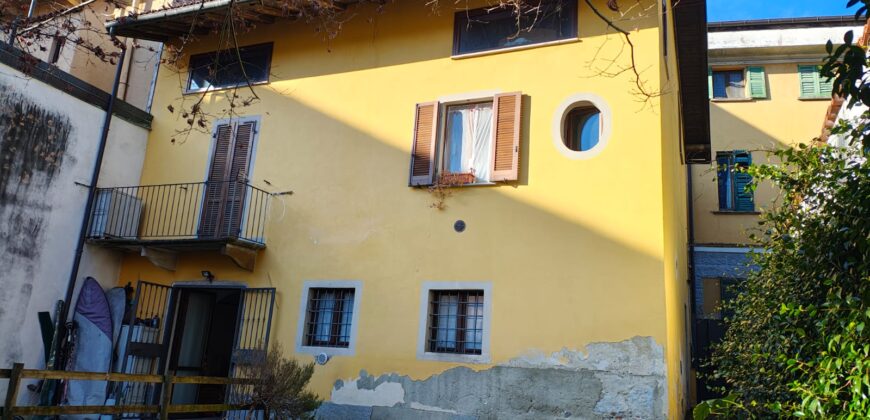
x=422, y=330
x=350, y=350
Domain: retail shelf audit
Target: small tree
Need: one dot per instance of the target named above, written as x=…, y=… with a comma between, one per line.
x=279, y=387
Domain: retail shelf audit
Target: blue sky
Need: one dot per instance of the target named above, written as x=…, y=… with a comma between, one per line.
x=719, y=10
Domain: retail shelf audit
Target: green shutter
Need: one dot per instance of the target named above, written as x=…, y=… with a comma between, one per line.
x=809, y=78
x=757, y=86
x=709, y=83
x=826, y=87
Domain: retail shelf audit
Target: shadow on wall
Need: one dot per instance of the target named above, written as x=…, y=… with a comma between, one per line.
x=399, y=33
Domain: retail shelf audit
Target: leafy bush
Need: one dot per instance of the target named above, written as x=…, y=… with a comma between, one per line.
x=798, y=342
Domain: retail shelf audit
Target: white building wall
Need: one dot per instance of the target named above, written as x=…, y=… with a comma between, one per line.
x=42, y=198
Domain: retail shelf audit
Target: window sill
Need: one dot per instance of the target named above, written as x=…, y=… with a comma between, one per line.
x=331, y=351
x=735, y=212
x=455, y=358
x=517, y=48
x=814, y=98
x=214, y=89
x=733, y=99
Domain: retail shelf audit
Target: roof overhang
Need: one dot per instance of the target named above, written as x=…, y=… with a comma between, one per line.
x=205, y=16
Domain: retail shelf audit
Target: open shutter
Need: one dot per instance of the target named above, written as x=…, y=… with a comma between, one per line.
x=743, y=197
x=709, y=83
x=507, y=113
x=723, y=179
x=215, y=188
x=809, y=81
x=757, y=86
x=238, y=176
x=826, y=87
x=423, y=149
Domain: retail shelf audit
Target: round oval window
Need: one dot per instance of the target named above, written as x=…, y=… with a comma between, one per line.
x=582, y=128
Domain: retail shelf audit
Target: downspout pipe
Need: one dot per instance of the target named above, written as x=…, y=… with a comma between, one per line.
x=92, y=189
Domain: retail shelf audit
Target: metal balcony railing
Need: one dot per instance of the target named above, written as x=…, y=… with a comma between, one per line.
x=225, y=211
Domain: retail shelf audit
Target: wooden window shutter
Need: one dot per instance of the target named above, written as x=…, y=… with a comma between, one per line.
x=242, y=151
x=222, y=149
x=809, y=81
x=744, y=199
x=423, y=148
x=709, y=83
x=826, y=87
x=757, y=85
x=507, y=114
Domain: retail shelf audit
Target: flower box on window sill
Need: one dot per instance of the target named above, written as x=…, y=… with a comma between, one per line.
x=455, y=179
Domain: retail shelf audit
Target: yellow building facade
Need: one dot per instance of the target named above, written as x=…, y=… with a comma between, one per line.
x=569, y=277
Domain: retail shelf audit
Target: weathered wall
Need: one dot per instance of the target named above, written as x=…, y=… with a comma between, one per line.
x=48, y=144
x=575, y=251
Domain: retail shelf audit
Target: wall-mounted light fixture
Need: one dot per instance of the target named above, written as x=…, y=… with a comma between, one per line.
x=208, y=276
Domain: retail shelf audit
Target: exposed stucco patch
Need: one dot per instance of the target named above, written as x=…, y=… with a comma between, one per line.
x=609, y=380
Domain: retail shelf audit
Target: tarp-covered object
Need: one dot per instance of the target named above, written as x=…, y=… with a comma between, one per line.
x=93, y=344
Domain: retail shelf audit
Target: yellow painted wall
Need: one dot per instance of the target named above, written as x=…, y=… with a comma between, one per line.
x=757, y=125
x=578, y=251
x=675, y=233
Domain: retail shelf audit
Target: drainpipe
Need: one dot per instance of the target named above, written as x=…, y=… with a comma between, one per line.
x=92, y=189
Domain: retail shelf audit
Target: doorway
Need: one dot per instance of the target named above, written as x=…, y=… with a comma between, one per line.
x=203, y=341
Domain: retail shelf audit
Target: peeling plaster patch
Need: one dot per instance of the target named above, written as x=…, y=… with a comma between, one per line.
x=611, y=380
x=385, y=394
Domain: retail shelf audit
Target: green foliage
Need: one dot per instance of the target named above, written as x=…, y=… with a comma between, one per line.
x=798, y=339
x=279, y=387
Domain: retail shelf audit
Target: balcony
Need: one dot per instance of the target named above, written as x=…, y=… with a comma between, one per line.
x=161, y=220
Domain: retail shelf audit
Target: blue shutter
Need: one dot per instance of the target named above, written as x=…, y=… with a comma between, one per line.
x=744, y=198
x=723, y=178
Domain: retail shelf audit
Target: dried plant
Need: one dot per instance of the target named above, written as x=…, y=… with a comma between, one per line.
x=279, y=387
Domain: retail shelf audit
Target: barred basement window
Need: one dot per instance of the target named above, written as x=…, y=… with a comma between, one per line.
x=328, y=317
x=455, y=322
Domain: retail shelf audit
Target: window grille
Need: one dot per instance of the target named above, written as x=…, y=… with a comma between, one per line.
x=329, y=316
x=455, y=321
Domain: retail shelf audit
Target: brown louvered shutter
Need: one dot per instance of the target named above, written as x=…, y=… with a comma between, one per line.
x=507, y=109
x=423, y=149
x=215, y=187
x=238, y=177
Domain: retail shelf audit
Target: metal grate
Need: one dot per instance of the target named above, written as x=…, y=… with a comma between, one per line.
x=455, y=321
x=329, y=316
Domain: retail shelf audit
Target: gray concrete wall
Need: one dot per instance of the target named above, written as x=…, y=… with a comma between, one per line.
x=607, y=380
x=48, y=146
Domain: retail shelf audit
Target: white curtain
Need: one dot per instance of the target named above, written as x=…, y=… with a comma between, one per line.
x=324, y=316
x=469, y=147
x=448, y=308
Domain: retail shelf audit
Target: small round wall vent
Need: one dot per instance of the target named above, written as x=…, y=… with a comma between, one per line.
x=459, y=226
x=321, y=358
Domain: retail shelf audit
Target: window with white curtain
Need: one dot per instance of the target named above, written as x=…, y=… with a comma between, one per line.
x=468, y=138
x=455, y=321
x=329, y=317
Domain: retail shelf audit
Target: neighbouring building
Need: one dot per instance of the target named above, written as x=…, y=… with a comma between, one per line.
x=50, y=131
x=451, y=214
x=71, y=36
x=765, y=93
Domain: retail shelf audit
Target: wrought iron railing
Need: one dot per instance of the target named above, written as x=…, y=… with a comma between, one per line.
x=225, y=210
